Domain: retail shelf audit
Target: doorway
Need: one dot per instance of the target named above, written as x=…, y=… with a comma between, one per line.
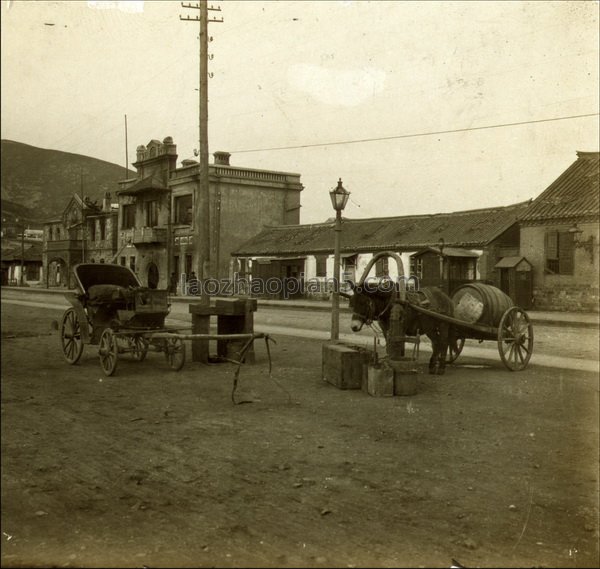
x=153, y=276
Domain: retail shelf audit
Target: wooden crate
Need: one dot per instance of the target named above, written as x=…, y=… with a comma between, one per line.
x=343, y=365
x=405, y=376
x=380, y=380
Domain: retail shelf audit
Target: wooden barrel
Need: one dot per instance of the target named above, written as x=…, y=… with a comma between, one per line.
x=478, y=303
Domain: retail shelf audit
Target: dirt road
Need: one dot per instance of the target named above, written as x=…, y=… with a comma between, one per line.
x=157, y=468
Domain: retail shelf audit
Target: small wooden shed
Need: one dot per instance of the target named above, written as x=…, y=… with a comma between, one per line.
x=514, y=276
x=448, y=270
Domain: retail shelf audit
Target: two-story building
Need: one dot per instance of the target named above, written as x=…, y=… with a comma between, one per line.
x=156, y=221
x=86, y=231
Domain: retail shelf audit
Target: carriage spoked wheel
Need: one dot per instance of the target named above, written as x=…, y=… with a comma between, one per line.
x=139, y=348
x=108, y=351
x=174, y=349
x=454, y=349
x=70, y=336
x=515, y=339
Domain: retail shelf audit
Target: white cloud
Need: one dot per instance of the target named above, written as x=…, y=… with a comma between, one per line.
x=347, y=87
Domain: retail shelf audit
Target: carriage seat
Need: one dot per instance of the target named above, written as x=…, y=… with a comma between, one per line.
x=108, y=293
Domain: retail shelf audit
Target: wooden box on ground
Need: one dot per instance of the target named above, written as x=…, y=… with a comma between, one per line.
x=405, y=376
x=380, y=380
x=343, y=365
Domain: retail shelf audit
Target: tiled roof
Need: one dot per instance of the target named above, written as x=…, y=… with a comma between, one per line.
x=509, y=262
x=30, y=253
x=447, y=252
x=473, y=228
x=573, y=195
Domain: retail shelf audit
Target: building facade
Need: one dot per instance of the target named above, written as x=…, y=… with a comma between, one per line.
x=22, y=264
x=156, y=222
x=559, y=237
x=85, y=232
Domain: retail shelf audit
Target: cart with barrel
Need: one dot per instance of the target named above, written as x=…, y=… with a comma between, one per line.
x=483, y=312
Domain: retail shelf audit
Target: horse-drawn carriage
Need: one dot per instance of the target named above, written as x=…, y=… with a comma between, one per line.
x=475, y=311
x=111, y=309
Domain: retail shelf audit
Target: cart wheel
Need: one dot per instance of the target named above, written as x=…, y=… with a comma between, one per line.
x=174, y=353
x=108, y=352
x=515, y=339
x=70, y=336
x=454, y=349
x=139, y=348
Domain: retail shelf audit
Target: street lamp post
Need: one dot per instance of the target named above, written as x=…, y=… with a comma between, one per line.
x=22, y=226
x=441, y=244
x=339, y=199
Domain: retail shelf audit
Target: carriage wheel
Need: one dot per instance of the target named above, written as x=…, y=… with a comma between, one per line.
x=71, y=341
x=454, y=349
x=515, y=339
x=139, y=348
x=174, y=353
x=108, y=352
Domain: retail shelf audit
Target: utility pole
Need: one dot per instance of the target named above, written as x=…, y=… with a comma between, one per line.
x=21, y=274
x=201, y=207
x=126, y=152
x=82, y=219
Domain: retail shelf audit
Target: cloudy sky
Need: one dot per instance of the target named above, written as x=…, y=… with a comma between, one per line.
x=328, y=89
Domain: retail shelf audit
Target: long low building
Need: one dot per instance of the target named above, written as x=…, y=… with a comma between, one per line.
x=452, y=248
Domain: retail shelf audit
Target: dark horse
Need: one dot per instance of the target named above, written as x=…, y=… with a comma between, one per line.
x=371, y=303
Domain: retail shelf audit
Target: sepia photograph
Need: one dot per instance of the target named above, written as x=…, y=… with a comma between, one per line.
x=300, y=283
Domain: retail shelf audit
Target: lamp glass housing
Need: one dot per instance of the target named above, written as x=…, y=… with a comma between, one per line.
x=441, y=244
x=576, y=232
x=339, y=197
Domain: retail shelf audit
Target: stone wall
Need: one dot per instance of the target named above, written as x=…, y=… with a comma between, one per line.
x=576, y=298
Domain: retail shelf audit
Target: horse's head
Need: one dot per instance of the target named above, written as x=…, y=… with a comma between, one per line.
x=368, y=304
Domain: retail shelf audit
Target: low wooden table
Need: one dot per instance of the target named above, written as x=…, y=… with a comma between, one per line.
x=234, y=316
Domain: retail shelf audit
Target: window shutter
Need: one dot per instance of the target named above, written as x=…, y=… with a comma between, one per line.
x=566, y=252
x=552, y=245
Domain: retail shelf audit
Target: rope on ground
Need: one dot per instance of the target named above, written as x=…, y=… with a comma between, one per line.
x=239, y=362
x=289, y=395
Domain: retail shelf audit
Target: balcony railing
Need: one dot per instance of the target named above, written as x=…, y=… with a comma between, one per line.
x=63, y=245
x=145, y=235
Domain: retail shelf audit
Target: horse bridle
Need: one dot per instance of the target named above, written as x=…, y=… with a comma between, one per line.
x=370, y=319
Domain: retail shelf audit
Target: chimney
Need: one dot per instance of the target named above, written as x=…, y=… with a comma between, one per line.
x=222, y=158
x=106, y=202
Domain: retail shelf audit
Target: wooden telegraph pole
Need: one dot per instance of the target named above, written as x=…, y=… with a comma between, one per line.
x=201, y=211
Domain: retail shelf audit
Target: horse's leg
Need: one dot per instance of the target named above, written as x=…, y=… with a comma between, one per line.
x=433, y=335
x=444, y=331
x=432, y=358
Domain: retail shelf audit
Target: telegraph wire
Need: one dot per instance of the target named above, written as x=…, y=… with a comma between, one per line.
x=414, y=135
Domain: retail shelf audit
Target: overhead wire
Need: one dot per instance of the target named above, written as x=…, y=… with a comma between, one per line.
x=414, y=135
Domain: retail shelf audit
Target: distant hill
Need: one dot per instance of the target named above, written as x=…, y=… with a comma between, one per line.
x=37, y=183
